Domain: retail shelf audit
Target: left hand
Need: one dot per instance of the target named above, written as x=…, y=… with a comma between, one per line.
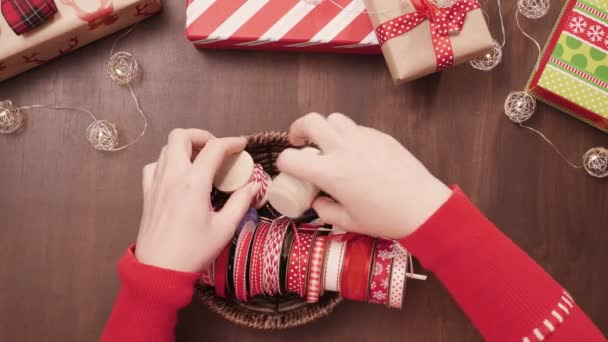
x=179, y=229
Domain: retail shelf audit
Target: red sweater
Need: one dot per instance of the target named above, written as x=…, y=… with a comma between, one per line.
x=507, y=296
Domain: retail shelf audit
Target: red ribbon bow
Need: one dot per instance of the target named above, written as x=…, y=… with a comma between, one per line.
x=443, y=22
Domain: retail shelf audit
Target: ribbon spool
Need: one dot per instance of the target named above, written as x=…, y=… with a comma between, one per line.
x=10, y=117
x=292, y=196
x=533, y=9
x=234, y=173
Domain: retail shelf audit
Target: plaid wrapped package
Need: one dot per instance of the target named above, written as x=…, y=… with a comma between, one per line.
x=338, y=26
x=572, y=75
x=25, y=15
x=77, y=23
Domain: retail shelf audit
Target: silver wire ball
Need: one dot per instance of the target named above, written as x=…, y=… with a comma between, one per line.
x=122, y=67
x=102, y=135
x=533, y=9
x=519, y=106
x=443, y=3
x=490, y=60
x=595, y=162
x=10, y=117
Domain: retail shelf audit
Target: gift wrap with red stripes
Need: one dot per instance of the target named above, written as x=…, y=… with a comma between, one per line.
x=284, y=25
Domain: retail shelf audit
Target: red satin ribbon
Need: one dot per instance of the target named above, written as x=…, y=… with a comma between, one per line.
x=443, y=22
x=221, y=267
x=357, y=267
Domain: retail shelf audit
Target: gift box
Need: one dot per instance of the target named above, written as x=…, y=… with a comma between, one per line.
x=339, y=26
x=419, y=38
x=75, y=24
x=572, y=75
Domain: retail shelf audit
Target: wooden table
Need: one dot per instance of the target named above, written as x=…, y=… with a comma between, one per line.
x=68, y=212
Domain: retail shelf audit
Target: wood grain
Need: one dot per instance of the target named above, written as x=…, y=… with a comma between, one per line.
x=68, y=212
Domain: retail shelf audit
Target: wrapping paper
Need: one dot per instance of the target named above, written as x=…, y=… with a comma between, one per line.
x=412, y=55
x=573, y=73
x=77, y=23
x=290, y=25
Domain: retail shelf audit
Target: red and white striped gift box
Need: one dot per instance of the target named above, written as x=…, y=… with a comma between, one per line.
x=286, y=25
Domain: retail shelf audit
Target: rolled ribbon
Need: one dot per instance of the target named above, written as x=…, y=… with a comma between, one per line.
x=241, y=260
x=383, y=259
x=334, y=261
x=297, y=264
x=256, y=261
x=357, y=268
x=220, y=271
x=316, y=267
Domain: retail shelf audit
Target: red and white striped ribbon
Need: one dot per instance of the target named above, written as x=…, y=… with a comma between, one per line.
x=316, y=265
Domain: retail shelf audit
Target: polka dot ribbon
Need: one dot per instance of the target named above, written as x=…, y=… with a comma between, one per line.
x=443, y=22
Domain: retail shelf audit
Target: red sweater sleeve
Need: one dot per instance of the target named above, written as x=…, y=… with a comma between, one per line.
x=507, y=295
x=148, y=302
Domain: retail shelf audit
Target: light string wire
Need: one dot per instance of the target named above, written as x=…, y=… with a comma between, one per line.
x=536, y=65
x=98, y=125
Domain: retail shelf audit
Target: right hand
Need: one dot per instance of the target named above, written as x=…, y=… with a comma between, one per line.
x=380, y=188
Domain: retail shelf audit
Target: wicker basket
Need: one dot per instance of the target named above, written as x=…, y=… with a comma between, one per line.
x=268, y=313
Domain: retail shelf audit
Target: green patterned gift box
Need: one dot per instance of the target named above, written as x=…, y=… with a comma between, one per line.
x=573, y=72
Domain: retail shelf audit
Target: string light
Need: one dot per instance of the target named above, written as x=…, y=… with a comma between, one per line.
x=490, y=60
x=102, y=135
x=533, y=9
x=493, y=57
x=10, y=117
x=519, y=106
x=595, y=162
x=122, y=67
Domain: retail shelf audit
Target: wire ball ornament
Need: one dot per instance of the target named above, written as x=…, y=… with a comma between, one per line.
x=595, y=162
x=443, y=3
x=519, y=106
x=10, y=117
x=122, y=67
x=490, y=60
x=533, y=9
x=102, y=135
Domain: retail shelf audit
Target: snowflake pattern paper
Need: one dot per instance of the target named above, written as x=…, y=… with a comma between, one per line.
x=573, y=73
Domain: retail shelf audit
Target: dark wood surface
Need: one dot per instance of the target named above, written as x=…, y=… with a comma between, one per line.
x=68, y=212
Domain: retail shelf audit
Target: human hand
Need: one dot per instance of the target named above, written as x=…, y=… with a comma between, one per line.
x=380, y=188
x=179, y=229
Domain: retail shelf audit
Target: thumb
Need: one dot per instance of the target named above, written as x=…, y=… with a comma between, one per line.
x=333, y=213
x=233, y=211
x=304, y=165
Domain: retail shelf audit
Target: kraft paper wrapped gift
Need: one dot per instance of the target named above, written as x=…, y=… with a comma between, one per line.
x=419, y=38
x=76, y=23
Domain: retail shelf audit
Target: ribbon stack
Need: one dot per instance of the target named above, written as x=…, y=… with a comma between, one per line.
x=274, y=255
